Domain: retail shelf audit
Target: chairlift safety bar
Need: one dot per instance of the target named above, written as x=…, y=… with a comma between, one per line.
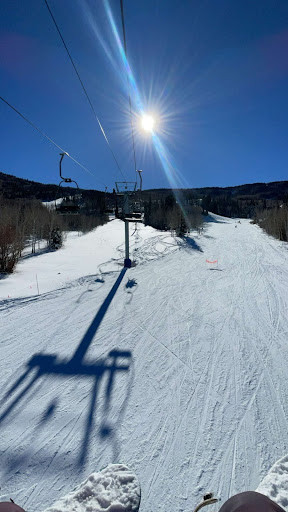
x=123, y=187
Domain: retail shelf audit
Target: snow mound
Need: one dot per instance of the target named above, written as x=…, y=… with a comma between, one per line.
x=114, y=489
x=275, y=483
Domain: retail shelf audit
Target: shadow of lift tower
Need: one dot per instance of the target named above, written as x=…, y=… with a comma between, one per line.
x=40, y=365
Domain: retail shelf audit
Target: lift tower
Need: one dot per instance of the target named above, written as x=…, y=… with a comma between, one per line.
x=128, y=189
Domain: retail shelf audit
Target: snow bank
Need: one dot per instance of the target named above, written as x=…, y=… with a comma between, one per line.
x=275, y=483
x=115, y=488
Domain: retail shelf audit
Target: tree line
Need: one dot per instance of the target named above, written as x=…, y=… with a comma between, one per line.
x=26, y=223
x=172, y=213
x=274, y=220
x=182, y=211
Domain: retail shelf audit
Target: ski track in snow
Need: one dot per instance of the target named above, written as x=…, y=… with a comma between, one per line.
x=180, y=370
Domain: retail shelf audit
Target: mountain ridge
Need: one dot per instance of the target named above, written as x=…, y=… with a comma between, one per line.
x=13, y=187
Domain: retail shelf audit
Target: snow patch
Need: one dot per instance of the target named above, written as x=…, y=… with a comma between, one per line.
x=275, y=483
x=51, y=205
x=114, y=489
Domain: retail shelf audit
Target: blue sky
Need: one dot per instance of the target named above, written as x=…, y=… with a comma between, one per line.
x=214, y=73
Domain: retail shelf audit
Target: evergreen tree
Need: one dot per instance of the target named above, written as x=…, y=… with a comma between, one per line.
x=182, y=228
x=56, y=239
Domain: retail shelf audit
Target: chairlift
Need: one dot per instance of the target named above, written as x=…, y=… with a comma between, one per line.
x=133, y=217
x=132, y=212
x=70, y=205
x=136, y=214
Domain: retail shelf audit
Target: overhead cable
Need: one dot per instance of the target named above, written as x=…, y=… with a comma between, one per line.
x=83, y=87
x=50, y=140
x=129, y=96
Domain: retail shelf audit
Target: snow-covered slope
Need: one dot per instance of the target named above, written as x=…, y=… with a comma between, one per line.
x=177, y=367
x=97, y=252
x=275, y=483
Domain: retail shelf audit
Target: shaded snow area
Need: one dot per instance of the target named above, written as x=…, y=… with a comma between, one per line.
x=275, y=483
x=114, y=489
x=176, y=368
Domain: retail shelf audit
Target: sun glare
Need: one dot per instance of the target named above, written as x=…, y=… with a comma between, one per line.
x=147, y=123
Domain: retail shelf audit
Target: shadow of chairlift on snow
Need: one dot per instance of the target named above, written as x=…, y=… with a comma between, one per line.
x=131, y=283
x=40, y=365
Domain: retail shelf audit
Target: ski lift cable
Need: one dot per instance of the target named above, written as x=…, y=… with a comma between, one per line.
x=129, y=95
x=49, y=139
x=84, y=88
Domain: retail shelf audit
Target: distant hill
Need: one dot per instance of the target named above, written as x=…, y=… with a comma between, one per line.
x=276, y=190
x=241, y=200
x=12, y=188
x=19, y=188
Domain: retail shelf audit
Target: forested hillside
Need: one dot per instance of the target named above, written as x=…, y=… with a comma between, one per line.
x=178, y=210
x=243, y=197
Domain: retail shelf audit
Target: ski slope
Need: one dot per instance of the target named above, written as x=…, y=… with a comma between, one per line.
x=275, y=483
x=176, y=367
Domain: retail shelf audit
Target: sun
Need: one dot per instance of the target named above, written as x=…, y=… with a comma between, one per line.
x=147, y=123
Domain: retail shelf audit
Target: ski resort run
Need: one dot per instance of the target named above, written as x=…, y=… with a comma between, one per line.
x=176, y=368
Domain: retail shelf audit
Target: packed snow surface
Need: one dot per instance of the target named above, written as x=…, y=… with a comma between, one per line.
x=114, y=489
x=176, y=367
x=275, y=483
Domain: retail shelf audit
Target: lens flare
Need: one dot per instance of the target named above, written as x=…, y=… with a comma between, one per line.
x=147, y=123
x=172, y=173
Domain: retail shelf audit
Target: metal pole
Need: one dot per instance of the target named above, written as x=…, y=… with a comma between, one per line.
x=37, y=284
x=105, y=205
x=127, y=261
x=126, y=240
x=140, y=176
x=60, y=164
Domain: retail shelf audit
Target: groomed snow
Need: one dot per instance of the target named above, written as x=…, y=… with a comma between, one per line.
x=176, y=368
